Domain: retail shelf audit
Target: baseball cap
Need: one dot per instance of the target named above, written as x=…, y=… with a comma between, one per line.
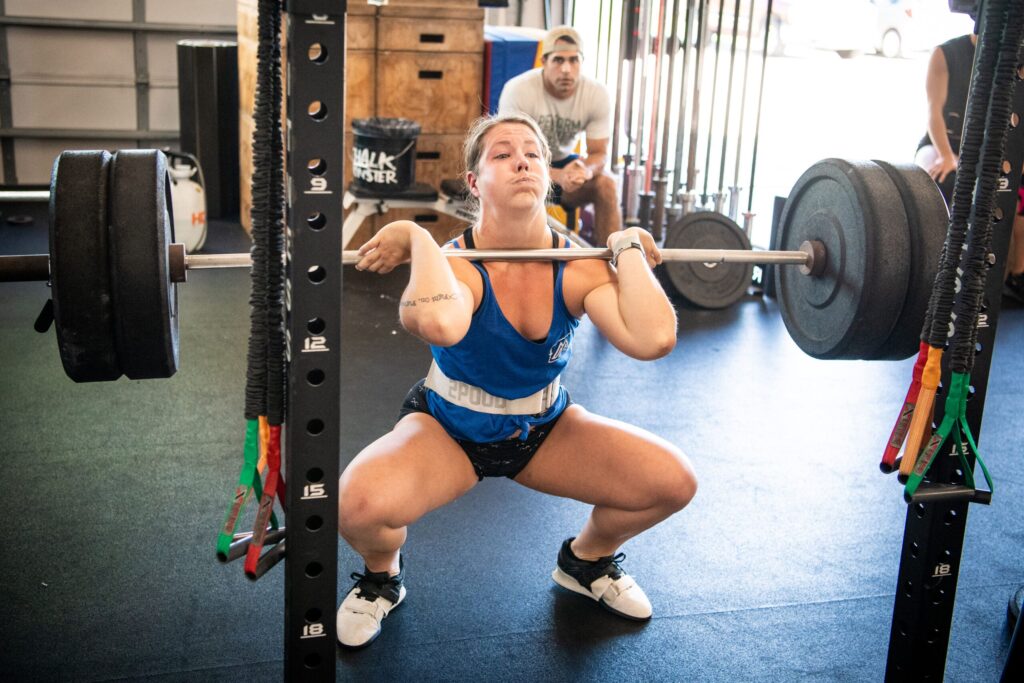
x=562, y=33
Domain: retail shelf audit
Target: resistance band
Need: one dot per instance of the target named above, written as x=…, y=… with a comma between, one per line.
x=935, y=330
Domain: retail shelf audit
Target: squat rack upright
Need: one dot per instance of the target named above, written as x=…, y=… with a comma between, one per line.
x=316, y=73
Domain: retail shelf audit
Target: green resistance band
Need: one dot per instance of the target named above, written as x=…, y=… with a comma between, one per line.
x=954, y=423
x=248, y=480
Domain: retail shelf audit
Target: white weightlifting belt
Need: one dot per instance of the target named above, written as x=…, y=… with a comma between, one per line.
x=475, y=398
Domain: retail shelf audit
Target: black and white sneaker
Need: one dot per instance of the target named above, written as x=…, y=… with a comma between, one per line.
x=373, y=596
x=604, y=581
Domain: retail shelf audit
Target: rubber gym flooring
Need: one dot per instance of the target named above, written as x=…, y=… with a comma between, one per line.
x=782, y=569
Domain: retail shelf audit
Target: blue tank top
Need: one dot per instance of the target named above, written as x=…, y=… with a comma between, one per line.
x=497, y=358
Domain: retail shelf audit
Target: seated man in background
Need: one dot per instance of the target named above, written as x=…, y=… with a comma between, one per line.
x=566, y=103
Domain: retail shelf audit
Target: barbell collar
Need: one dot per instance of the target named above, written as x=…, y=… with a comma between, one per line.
x=816, y=257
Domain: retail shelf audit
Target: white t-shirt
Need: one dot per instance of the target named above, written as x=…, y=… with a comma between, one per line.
x=588, y=110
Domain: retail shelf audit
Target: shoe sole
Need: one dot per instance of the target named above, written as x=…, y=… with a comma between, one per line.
x=567, y=582
x=401, y=599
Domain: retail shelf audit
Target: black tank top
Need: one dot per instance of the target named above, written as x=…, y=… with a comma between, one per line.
x=959, y=54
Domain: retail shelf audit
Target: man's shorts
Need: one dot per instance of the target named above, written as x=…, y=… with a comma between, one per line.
x=505, y=458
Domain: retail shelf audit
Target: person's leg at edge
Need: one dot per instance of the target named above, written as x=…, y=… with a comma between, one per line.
x=1014, y=278
x=600, y=191
x=1015, y=262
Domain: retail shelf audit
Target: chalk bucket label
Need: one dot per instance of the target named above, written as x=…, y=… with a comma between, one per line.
x=384, y=154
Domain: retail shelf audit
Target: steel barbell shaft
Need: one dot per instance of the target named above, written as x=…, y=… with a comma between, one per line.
x=24, y=196
x=348, y=258
x=36, y=266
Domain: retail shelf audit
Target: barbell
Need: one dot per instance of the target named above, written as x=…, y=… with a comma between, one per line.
x=37, y=266
x=865, y=237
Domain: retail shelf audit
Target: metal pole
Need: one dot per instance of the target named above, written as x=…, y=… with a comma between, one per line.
x=661, y=182
x=714, y=91
x=623, y=53
x=312, y=467
x=677, y=170
x=36, y=267
x=608, y=42
x=351, y=257
x=659, y=43
x=631, y=28
x=691, y=170
x=728, y=95
x=673, y=40
x=760, y=99
x=24, y=196
x=743, y=97
x=645, y=48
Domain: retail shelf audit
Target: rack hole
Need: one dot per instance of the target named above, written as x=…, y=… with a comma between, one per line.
x=314, y=569
x=315, y=377
x=316, y=221
x=311, y=661
x=315, y=426
x=313, y=615
x=314, y=474
x=314, y=523
x=317, y=166
x=950, y=517
x=316, y=326
x=317, y=110
x=317, y=53
x=316, y=274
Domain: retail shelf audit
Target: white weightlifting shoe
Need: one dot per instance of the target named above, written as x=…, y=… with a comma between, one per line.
x=364, y=608
x=604, y=581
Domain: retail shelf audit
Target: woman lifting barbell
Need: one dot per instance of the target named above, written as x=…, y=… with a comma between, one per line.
x=491, y=405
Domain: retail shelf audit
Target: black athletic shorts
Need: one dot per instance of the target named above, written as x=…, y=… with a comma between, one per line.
x=505, y=458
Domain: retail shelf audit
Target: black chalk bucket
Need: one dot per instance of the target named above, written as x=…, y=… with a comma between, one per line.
x=384, y=154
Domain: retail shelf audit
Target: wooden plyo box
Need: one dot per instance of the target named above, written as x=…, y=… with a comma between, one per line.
x=414, y=59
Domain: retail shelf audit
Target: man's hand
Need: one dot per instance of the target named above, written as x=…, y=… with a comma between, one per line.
x=942, y=167
x=572, y=176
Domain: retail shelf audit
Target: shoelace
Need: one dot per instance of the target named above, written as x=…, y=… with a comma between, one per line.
x=369, y=589
x=605, y=566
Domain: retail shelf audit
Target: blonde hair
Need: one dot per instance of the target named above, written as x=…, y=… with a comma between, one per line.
x=473, y=147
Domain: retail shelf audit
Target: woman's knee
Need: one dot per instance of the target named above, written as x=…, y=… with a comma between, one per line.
x=360, y=506
x=677, y=482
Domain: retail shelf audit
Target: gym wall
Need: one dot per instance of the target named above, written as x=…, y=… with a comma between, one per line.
x=93, y=74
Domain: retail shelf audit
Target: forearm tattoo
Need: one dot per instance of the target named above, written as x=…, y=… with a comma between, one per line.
x=429, y=299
